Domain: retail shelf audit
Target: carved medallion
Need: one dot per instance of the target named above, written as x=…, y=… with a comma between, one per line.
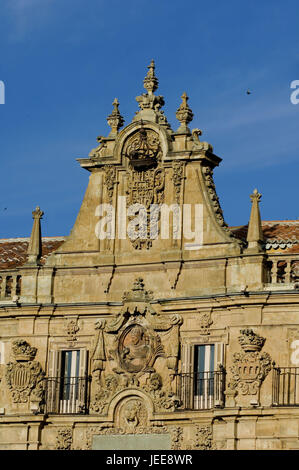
x=135, y=349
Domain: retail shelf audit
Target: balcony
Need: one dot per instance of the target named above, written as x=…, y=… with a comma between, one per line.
x=285, y=386
x=201, y=391
x=283, y=269
x=66, y=395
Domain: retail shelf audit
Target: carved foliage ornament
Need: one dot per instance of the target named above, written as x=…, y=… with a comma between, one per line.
x=203, y=438
x=110, y=180
x=64, y=438
x=251, y=366
x=71, y=329
x=178, y=176
x=24, y=376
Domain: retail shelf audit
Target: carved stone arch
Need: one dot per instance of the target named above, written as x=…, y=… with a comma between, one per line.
x=133, y=128
x=127, y=395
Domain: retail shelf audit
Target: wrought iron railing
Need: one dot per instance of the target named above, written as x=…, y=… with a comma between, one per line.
x=285, y=386
x=66, y=395
x=202, y=390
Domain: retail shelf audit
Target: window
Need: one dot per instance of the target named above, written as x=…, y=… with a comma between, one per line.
x=202, y=378
x=67, y=382
x=8, y=287
x=204, y=368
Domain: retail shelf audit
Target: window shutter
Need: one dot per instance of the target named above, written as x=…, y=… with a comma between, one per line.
x=53, y=383
x=2, y=352
x=187, y=362
x=83, y=369
x=219, y=355
x=54, y=366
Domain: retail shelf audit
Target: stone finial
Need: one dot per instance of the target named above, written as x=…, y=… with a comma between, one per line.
x=255, y=233
x=35, y=244
x=115, y=119
x=184, y=115
x=255, y=195
x=150, y=105
x=151, y=82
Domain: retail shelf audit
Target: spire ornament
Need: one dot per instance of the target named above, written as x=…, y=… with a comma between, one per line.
x=151, y=82
x=255, y=236
x=115, y=119
x=35, y=244
x=150, y=105
x=184, y=115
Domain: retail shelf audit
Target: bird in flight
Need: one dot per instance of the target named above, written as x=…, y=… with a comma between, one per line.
x=248, y=92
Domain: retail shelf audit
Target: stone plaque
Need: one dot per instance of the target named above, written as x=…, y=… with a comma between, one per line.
x=132, y=442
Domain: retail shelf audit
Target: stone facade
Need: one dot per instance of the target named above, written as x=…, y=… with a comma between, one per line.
x=151, y=334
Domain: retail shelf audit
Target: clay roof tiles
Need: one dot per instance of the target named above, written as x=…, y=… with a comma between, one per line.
x=280, y=236
x=13, y=251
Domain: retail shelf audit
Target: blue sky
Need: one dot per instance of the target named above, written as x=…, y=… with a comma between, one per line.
x=64, y=61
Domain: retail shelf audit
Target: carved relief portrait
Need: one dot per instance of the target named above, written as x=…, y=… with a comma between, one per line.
x=134, y=349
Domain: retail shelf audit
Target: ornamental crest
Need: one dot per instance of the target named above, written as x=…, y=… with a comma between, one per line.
x=127, y=350
x=251, y=366
x=145, y=178
x=24, y=376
